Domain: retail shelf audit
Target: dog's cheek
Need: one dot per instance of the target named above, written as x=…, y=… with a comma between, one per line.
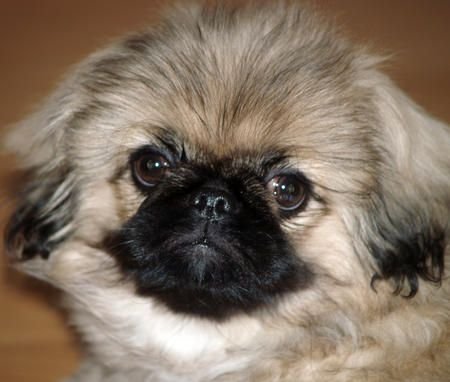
x=99, y=212
x=43, y=219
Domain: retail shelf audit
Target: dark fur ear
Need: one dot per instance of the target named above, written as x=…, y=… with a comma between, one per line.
x=405, y=224
x=43, y=218
x=44, y=214
x=405, y=250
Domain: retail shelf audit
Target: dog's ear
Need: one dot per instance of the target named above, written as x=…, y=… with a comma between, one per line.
x=44, y=214
x=405, y=225
x=43, y=218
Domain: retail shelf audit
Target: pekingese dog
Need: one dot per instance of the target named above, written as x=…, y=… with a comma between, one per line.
x=238, y=194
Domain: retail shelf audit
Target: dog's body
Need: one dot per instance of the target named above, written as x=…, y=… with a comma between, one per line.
x=234, y=195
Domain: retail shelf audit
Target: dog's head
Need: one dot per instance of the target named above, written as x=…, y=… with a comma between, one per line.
x=229, y=160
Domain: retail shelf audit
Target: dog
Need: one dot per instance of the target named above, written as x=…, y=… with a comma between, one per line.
x=238, y=193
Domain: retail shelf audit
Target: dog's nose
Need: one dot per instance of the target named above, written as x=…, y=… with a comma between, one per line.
x=213, y=204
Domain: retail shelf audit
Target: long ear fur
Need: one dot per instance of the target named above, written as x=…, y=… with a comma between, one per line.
x=406, y=222
x=46, y=206
x=43, y=218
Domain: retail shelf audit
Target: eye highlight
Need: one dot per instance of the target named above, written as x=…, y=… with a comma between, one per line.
x=149, y=168
x=288, y=190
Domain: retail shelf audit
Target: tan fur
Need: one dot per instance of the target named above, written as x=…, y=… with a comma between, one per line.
x=234, y=85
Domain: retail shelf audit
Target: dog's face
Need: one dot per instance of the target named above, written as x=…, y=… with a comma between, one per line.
x=207, y=237
x=230, y=166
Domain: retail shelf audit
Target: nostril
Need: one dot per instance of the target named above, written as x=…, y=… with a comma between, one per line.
x=222, y=205
x=200, y=201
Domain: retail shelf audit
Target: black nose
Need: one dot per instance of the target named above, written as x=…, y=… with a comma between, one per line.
x=213, y=204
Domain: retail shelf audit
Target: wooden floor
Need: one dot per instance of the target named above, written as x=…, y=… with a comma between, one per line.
x=40, y=40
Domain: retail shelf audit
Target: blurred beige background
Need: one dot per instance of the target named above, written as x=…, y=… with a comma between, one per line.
x=40, y=40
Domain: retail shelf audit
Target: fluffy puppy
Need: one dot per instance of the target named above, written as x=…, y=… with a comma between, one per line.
x=238, y=194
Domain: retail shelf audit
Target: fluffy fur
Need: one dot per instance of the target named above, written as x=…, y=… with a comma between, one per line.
x=237, y=94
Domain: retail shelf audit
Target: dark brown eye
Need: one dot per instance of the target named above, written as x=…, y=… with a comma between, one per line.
x=150, y=168
x=288, y=190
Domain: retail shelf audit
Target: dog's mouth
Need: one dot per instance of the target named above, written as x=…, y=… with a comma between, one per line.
x=202, y=245
x=205, y=261
x=206, y=247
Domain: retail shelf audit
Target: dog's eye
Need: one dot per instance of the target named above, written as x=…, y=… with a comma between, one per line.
x=150, y=168
x=288, y=190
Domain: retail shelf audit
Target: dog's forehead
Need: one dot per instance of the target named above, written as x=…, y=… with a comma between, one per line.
x=239, y=90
